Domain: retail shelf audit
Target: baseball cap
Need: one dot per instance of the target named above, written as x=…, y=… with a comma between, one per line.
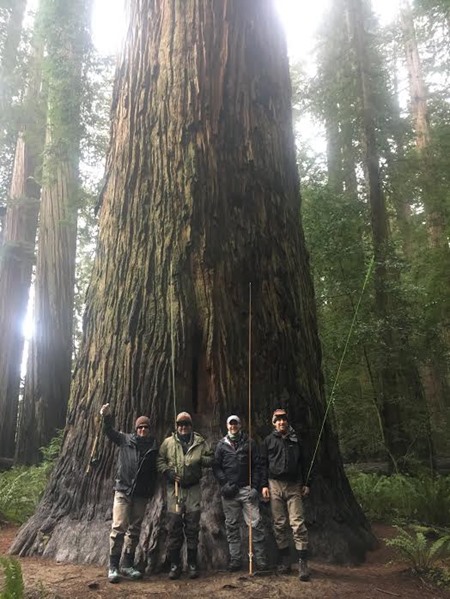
x=233, y=417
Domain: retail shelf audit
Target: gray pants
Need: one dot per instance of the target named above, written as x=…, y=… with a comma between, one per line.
x=233, y=509
x=287, y=512
x=128, y=513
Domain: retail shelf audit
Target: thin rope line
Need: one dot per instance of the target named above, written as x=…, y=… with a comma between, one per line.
x=331, y=400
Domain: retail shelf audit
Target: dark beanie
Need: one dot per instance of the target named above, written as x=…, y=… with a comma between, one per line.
x=142, y=420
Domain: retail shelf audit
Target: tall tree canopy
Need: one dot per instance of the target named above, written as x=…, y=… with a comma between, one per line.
x=201, y=197
x=373, y=201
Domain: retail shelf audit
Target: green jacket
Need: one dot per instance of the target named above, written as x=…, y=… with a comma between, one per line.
x=188, y=467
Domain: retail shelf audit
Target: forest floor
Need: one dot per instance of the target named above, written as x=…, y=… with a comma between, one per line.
x=380, y=577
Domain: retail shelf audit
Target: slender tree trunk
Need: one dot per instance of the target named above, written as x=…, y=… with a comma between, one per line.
x=334, y=160
x=401, y=391
x=47, y=382
x=418, y=90
x=17, y=253
x=201, y=198
x=2, y=222
x=9, y=54
x=435, y=370
x=348, y=161
x=12, y=83
x=401, y=198
x=436, y=215
x=15, y=277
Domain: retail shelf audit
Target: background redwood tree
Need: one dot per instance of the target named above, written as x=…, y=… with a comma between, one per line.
x=17, y=251
x=49, y=367
x=201, y=197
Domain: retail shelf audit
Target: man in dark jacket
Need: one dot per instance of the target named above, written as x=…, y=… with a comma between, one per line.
x=286, y=485
x=135, y=484
x=239, y=494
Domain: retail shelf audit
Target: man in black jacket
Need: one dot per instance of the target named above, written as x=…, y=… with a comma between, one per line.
x=286, y=485
x=239, y=494
x=135, y=484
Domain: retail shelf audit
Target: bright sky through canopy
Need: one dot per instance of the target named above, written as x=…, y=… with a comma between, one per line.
x=301, y=19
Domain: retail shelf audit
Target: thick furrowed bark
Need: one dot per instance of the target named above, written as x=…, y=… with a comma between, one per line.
x=201, y=198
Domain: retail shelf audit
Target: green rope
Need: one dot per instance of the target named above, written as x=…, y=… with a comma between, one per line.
x=331, y=399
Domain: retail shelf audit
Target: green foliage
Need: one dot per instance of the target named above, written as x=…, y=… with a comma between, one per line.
x=400, y=354
x=13, y=587
x=424, y=499
x=22, y=487
x=420, y=551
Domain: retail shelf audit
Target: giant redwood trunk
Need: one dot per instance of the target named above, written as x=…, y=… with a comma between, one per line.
x=201, y=198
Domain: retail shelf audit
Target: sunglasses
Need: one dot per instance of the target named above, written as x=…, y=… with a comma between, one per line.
x=233, y=423
x=279, y=418
x=142, y=426
x=184, y=423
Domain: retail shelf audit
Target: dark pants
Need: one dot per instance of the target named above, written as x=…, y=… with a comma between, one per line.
x=179, y=526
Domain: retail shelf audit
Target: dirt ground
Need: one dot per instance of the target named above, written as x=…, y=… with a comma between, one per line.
x=379, y=578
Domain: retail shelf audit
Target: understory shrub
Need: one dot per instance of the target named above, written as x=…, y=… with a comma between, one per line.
x=422, y=498
x=22, y=487
x=12, y=587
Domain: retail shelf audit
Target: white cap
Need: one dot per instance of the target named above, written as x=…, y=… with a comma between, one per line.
x=233, y=417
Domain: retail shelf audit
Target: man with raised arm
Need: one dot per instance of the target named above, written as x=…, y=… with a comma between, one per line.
x=135, y=484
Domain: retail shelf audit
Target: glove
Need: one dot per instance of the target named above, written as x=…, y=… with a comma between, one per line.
x=171, y=475
x=229, y=490
x=253, y=495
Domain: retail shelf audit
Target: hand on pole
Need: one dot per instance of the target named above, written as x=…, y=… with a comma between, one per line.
x=305, y=491
x=265, y=492
x=105, y=410
x=172, y=476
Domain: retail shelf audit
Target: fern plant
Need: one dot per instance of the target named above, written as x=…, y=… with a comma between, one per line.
x=417, y=549
x=22, y=487
x=13, y=587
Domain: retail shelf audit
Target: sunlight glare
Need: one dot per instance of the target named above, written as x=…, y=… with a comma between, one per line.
x=108, y=25
x=300, y=19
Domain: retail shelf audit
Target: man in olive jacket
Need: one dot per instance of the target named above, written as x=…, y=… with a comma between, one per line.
x=285, y=487
x=135, y=484
x=182, y=457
